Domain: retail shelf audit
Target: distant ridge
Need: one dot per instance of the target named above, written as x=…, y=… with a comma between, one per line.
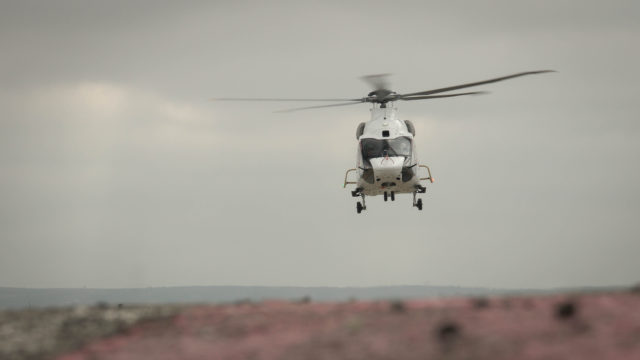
x=16, y=298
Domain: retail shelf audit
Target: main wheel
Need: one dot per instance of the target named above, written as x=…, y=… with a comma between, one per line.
x=385, y=196
x=359, y=207
x=419, y=204
x=393, y=196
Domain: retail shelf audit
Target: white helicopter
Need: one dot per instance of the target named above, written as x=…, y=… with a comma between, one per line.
x=387, y=163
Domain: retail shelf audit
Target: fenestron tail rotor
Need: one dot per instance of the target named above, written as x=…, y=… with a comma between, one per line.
x=377, y=81
x=382, y=95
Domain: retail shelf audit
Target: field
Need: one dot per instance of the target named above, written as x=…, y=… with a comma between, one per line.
x=587, y=325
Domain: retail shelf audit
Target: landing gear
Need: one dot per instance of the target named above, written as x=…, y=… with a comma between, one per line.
x=393, y=196
x=417, y=203
x=361, y=205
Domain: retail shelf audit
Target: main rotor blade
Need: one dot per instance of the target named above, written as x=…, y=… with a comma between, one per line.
x=319, y=106
x=423, y=97
x=278, y=99
x=456, y=87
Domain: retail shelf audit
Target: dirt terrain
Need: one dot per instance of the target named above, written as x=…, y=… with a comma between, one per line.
x=569, y=326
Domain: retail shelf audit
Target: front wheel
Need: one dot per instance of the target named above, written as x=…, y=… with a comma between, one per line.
x=359, y=207
x=419, y=204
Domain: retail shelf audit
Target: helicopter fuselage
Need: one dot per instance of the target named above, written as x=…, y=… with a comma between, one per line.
x=387, y=162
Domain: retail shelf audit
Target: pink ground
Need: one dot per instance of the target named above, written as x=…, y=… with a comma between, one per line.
x=592, y=326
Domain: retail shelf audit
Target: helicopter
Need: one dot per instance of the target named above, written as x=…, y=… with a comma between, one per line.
x=387, y=162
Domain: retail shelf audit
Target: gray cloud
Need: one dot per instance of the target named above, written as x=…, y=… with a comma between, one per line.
x=115, y=170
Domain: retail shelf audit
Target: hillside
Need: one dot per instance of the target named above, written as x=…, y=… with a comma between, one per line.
x=594, y=325
x=16, y=298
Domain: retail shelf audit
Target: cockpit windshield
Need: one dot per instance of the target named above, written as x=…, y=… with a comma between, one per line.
x=374, y=148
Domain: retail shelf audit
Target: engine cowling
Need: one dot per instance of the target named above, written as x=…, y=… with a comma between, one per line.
x=410, y=127
x=360, y=131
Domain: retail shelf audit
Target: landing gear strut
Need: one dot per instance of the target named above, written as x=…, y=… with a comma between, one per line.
x=417, y=203
x=361, y=205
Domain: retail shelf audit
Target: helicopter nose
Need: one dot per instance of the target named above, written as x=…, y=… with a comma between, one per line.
x=387, y=170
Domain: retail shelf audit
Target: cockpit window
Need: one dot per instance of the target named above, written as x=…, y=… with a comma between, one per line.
x=373, y=148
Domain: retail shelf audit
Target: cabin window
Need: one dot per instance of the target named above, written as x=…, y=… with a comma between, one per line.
x=385, y=133
x=374, y=148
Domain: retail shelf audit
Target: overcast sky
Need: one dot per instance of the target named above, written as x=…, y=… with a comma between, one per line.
x=115, y=170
